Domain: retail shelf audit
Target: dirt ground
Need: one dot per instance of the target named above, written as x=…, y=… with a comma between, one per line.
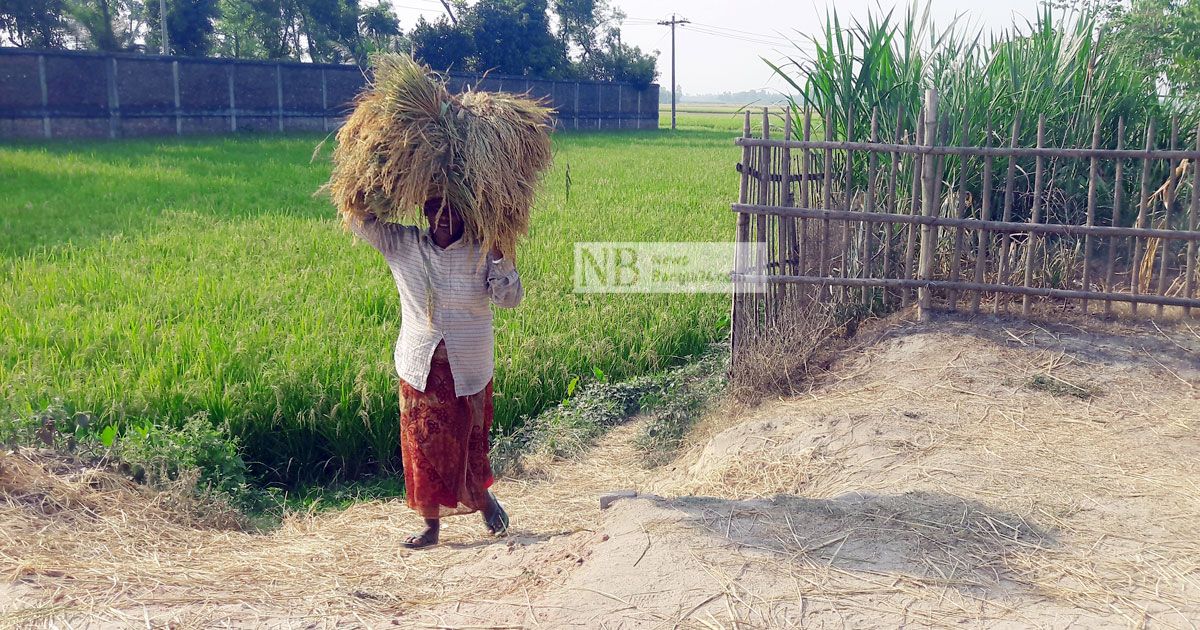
x=965, y=473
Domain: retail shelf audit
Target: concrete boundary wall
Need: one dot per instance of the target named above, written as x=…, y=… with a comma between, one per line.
x=61, y=94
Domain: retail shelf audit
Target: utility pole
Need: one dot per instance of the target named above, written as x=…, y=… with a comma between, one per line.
x=672, y=22
x=162, y=21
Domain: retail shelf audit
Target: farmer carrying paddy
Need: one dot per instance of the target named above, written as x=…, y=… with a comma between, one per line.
x=468, y=165
x=444, y=358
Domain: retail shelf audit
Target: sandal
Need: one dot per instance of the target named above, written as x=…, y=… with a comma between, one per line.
x=498, y=523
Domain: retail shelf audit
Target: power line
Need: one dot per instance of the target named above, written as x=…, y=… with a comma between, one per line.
x=739, y=31
x=737, y=35
x=742, y=38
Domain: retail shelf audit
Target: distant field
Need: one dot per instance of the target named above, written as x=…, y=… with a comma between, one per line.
x=711, y=117
x=164, y=278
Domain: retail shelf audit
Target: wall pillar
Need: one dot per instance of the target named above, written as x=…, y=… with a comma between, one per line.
x=232, y=101
x=114, y=99
x=324, y=102
x=279, y=94
x=178, y=109
x=45, y=96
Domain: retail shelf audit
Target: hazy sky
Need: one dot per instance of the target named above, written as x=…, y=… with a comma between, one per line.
x=721, y=51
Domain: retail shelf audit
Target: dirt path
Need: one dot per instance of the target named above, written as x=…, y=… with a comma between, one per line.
x=994, y=474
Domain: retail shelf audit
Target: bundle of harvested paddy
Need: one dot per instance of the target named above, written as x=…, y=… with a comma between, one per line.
x=409, y=139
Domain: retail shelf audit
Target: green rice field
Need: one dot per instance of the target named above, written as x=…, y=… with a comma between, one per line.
x=158, y=279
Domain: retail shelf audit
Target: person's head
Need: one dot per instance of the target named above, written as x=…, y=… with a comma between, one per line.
x=443, y=219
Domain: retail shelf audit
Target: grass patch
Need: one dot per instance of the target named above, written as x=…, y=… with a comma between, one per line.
x=672, y=398
x=155, y=280
x=1058, y=387
x=679, y=404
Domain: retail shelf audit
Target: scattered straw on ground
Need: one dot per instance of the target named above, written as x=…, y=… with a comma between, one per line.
x=934, y=479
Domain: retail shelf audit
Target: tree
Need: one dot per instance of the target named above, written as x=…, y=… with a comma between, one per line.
x=616, y=61
x=592, y=28
x=34, y=23
x=109, y=25
x=189, y=26
x=330, y=30
x=513, y=37
x=379, y=29
x=579, y=22
x=254, y=29
x=442, y=45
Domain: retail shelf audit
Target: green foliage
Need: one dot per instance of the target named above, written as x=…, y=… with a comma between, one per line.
x=189, y=26
x=33, y=23
x=442, y=45
x=674, y=399
x=676, y=406
x=1054, y=66
x=108, y=25
x=204, y=276
x=579, y=24
x=380, y=30
x=588, y=411
x=513, y=37
x=156, y=454
x=621, y=62
x=1162, y=35
x=327, y=31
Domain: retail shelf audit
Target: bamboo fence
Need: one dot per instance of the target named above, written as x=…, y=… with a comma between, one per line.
x=881, y=224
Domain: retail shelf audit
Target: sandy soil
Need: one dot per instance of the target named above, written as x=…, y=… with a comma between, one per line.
x=992, y=474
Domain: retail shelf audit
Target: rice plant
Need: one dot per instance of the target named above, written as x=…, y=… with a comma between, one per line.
x=157, y=279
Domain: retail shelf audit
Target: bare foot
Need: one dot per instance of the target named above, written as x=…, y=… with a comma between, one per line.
x=426, y=538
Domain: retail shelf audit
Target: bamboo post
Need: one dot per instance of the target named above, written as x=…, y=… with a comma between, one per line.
x=891, y=209
x=1009, y=193
x=826, y=200
x=929, y=204
x=1093, y=176
x=847, y=192
x=805, y=198
x=1168, y=206
x=1115, y=220
x=868, y=242
x=986, y=215
x=1135, y=273
x=737, y=315
x=787, y=243
x=1039, y=175
x=774, y=233
x=760, y=237
x=1189, y=282
x=917, y=163
x=961, y=210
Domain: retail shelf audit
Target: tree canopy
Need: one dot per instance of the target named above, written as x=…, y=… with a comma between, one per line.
x=558, y=39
